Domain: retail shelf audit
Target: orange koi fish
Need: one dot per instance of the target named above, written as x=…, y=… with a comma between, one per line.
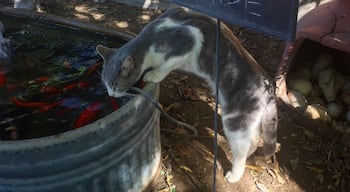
x=51, y=106
x=2, y=78
x=41, y=79
x=114, y=103
x=93, y=68
x=50, y=90
x=79, y=85
x=89, y=115
x=20, y=103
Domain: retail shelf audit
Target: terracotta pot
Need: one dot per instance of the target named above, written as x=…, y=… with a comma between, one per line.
x=328, y=26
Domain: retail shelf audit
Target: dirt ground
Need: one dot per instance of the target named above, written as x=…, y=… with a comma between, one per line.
x=307, y=161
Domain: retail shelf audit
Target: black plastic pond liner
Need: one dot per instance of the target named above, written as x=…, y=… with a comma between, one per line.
x=120, y=152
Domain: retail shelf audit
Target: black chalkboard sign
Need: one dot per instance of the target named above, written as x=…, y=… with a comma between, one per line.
x=273, y=17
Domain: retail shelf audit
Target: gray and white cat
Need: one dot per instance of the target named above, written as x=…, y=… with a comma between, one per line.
x=179, y=39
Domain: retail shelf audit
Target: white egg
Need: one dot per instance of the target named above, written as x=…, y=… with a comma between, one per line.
x=335, y=110
x=302, y=85
x=322, y=61
x=301, y=72
x=347, y=117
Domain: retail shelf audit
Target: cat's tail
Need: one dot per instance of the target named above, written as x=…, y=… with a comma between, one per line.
x=269, y=128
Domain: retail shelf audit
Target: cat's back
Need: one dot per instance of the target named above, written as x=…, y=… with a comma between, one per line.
x=180, y=13
x=190, y=17
x=207, y=27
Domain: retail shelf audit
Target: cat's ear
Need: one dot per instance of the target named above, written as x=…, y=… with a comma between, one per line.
x=105, y=52
x=128, y=65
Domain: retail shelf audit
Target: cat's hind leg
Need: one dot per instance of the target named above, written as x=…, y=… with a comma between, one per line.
x=269, y=125
x=243, y=138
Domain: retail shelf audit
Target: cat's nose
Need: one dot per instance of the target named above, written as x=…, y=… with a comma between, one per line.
x=110, y=92
x=115, y=93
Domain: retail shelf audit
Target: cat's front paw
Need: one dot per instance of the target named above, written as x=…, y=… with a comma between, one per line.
x=153, y=77
x=230, y=177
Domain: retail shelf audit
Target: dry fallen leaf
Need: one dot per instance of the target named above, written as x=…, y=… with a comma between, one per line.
x=294, y=163
x=308, y=133
x=278, y=175
x=183, y=77
x=286, y=173
x=182, y=149
x=173, y=105
x=176, y=82
x=320, y=178
x=186, y=168
x=201, y=148
x=261, y=187
x=272, y=173
x=315, y=169
x=255, y=168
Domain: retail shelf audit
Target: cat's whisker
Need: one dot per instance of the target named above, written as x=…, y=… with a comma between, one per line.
x=100, y=73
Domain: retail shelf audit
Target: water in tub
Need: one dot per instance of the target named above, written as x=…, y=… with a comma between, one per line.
x=5, y=65
x=53, y=84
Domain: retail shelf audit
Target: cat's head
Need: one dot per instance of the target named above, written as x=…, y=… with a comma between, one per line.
x=164, y=41
x=119, y=72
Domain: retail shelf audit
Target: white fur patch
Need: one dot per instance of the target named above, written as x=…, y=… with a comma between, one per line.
x=229, y=116
x=167, y=23
x=196, y=50
x=188, y=62
x=152, y=59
